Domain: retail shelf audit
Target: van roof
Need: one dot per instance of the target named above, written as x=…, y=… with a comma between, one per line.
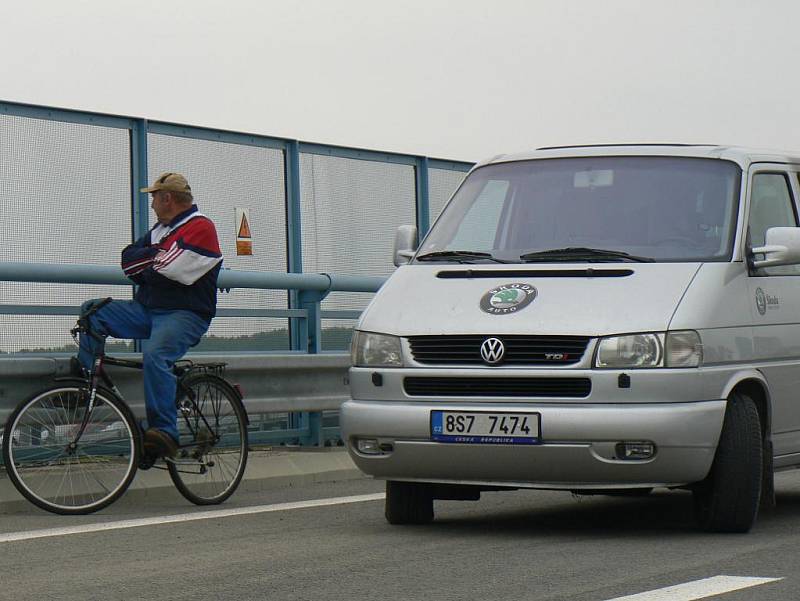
x=738, y=154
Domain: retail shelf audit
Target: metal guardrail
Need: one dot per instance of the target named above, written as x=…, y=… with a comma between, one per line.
x=311, y=290
x=97, y=274
x=301, y=384
x=272, y=384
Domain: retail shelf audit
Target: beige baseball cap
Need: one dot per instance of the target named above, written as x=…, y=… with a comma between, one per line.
x=169, y=182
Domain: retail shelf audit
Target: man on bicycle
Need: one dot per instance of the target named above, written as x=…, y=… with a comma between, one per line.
x=175, y=265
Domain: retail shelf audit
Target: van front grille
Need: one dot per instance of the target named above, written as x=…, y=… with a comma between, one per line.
x=498, y=387
x=519, y=349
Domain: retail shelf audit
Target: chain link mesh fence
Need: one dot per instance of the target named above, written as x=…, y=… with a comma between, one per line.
x=225, y=177
x=350, y=210
x=66, y=198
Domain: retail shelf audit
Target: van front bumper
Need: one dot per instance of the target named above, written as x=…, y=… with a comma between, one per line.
x=577, y=450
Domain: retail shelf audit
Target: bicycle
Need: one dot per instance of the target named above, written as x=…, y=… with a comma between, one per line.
x=74, y=447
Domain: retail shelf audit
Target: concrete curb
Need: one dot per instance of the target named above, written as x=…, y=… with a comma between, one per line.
x=267, y=469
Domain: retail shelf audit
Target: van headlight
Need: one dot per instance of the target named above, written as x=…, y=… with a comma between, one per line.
x=376, y=350
x=671, y=349
x=634, y=350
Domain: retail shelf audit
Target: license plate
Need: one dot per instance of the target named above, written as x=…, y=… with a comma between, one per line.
x=485, y=427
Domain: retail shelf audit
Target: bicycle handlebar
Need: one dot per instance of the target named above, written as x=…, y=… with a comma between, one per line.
x=84, y=325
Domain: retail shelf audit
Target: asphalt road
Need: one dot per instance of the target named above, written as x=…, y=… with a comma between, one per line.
x=519, y=545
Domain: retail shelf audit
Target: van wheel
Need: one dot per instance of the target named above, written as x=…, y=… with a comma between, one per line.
x=408, y=503
x=727, y=500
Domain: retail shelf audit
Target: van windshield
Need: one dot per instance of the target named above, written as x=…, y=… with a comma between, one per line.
x=590, y=210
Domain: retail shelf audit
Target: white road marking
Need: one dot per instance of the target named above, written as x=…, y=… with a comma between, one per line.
x=185, y=517
x=698, y=589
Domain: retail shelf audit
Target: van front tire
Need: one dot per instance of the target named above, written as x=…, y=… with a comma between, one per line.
x=728, y=499
x=408, y=503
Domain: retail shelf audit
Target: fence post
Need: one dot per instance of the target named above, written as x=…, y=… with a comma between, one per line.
x=304, y=333
x=294, y=241
x=140, y=216
x=423, y=197
x=140, y=205
x=311, y=328
x=311, y=332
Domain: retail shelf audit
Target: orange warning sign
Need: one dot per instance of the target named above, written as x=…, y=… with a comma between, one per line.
x=244, y=228
x=244, y=248
x=244, y=236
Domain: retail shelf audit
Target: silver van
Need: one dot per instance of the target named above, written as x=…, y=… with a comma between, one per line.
x=598, y=319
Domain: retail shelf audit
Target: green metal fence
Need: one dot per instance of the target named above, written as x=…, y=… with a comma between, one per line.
x=69, y=184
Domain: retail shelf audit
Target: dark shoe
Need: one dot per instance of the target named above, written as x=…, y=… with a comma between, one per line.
x=76, y=369
x=160, y=444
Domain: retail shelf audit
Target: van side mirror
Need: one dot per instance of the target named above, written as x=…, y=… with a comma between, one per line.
x=781, y=247
x=405, y=244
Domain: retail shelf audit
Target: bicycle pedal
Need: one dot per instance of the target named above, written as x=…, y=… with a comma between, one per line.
x=147, y=460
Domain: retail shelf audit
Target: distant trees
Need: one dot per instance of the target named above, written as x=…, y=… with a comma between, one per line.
x=333, y=339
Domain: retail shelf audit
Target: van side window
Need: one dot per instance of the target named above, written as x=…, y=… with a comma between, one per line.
x=771, y=205
x=478, y=229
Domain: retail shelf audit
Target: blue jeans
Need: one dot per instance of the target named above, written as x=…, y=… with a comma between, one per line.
x=166, y=335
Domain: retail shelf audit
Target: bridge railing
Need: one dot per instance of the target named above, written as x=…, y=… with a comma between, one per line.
x=70, y=199
x=301, y=385
x=69, y=189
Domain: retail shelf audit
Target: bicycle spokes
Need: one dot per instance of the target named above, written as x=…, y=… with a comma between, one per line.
x=68, y=454
x=213, y=440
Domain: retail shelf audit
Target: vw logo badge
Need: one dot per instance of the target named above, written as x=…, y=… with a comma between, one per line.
x=492, y=351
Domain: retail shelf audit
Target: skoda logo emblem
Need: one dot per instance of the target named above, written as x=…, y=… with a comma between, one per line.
x=508, y=298
x=492, y=350
x=761, y=301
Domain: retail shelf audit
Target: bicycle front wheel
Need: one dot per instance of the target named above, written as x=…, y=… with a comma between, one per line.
x=57, y=470
x=212, y=454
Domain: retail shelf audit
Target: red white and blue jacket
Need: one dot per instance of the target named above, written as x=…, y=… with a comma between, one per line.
x=176, y=265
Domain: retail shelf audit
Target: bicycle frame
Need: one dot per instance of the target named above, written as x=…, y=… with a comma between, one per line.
x=93, y=470
x=99, y=374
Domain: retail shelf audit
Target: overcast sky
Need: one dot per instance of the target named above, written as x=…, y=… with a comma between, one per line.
x=461, y=79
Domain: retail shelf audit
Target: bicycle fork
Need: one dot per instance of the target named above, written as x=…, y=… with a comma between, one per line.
x=98, y=362
x=96, y=374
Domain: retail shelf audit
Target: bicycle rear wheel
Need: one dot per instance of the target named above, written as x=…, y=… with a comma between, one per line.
x=212, y=424
x=53, y=471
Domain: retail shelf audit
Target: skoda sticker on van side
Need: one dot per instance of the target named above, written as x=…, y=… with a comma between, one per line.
x=761, y=301
x=508, y=298
x=766, y=301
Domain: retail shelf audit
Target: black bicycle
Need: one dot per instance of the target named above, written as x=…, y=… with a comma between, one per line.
x=74, y=448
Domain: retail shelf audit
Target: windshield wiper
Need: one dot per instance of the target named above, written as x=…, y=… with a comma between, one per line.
x=460, y=256
x=576, y=253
